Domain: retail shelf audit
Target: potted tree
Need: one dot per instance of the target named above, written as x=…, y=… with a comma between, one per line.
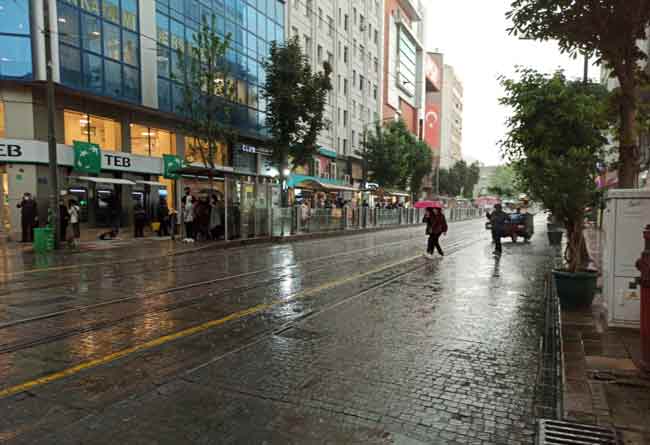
x=555, y=140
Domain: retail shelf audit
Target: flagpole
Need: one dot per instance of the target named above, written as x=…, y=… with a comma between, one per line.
x=51, y=131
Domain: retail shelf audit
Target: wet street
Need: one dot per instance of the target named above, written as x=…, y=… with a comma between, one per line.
x=355, y=339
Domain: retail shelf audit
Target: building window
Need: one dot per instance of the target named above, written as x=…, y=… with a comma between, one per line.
x=362, y=24
x=307, y=47
x=376, y=63
x=354, y=78
x=148, y=141
x=308, y=7
x=319, y=53
x=345, y=146
x=345, y=54
x=15, y=40
x=345, y=87
x=376, y=39
x=354, y=109
x=330, y=25
x=345, y=118
x=339, y=116
x=407, y=63
x=354, y=48
x=320, y=18
x=105, y=132
x=338, y=83
x=361, y=82
x=352, y=139
x=97, y=48
x=375, y=92
x=345, y=22
x=193, y=147
x=354, y=13
x=330, y=59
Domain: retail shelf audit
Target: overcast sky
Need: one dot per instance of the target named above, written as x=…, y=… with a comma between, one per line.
x=472, y=36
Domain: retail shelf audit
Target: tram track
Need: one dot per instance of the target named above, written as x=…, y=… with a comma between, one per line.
x=157, y=292
x=186, y=303
x=169, y=262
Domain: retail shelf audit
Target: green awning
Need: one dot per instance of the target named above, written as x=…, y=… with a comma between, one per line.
x=327, y=152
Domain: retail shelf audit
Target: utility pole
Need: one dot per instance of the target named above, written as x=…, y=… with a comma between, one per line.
x=585, y=77
x=51, y=130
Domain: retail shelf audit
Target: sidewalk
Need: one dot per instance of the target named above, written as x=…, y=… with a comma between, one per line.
x=603, y=383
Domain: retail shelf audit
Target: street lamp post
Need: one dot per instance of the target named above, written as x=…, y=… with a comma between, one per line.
x=51, y=130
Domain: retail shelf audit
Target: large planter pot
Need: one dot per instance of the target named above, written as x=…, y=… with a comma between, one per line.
x=554, y=237
x=575, y=290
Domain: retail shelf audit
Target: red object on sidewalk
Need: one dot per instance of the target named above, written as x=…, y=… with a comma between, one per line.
x=644, y=266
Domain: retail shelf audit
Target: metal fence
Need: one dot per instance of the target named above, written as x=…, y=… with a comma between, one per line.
x=298, y=220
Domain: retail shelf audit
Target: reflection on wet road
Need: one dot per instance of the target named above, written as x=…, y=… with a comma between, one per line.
x=358, y=338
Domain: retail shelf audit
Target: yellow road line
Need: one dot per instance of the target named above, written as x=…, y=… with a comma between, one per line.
x=189, y=331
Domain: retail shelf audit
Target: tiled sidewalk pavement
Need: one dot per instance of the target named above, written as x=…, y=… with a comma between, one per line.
x=603, y=384
x=447, y=354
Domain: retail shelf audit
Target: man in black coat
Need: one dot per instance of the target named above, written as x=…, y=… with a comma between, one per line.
x=28, y=217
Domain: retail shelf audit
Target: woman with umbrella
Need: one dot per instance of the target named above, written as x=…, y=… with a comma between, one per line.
x=436, y=225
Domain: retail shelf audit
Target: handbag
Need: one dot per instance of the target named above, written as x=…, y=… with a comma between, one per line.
x=155, y=226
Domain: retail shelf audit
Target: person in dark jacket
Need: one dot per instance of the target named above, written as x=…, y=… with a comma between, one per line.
x=498, y=220
x=163, y=218
x=436, y=226
x=64, y=218
x=140, y=219
x=28, y=217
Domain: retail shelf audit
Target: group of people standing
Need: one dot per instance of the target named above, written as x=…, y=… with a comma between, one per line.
x=69, y=215
x=203, y=216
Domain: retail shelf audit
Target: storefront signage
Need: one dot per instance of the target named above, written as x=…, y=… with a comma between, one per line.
x=36, y=152
x=87, y=157
x=10, y=151
x=248, y=148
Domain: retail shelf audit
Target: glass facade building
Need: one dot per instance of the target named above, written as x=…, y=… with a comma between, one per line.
x=99, y=46
x=15, y=40
x=251, y=25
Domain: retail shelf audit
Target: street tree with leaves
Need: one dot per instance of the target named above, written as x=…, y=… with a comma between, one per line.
x=395, y=158
x=503, y=182
x=555, y=140
x=296, y=98
x=209, y=95
x=460, y=179
x=608, y=29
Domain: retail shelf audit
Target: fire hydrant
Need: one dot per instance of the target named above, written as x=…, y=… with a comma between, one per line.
x=643, y=265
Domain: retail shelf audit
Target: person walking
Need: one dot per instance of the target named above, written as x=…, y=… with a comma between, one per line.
x=436, y=226
x=75, y=213
x=28, y=217
x=139, y=220
x=65, y=220
x=498, y=220
x=163, y=218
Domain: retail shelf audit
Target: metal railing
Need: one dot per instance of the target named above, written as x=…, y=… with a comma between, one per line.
x=298, y=220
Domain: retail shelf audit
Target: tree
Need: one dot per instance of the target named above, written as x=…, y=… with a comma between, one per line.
x=419, y=163
x=459, y=180
x=608, y=28
x=386, y=154
x=554, y=142
x=208, y=94
x=396, y=158
x=296, y=99
x=503, y=182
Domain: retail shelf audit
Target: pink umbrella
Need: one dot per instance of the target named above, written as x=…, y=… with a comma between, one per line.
x=427, y=204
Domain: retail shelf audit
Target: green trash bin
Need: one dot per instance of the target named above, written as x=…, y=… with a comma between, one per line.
x=43, y=239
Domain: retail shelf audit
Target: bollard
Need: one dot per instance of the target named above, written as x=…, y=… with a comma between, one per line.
x=643, y=264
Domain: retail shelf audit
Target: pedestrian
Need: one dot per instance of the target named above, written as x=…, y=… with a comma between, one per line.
x=215, y=217
x=139, y=220
x=436, y=226
x=163, y=218
x=75, y=213
x=188, y=217
x=188, y=195
x=498, y=220
x=28, y=217
x=64, y=219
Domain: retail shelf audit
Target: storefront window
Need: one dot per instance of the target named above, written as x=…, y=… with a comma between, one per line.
x=148, y=141
x=107, y=133
x=194, y=148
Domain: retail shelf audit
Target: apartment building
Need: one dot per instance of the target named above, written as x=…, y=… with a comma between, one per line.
x=404, y=86
x=452, y=119
x=349, y=35
x=118, y=85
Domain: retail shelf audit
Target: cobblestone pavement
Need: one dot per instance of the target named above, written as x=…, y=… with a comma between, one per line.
x=351, y=340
